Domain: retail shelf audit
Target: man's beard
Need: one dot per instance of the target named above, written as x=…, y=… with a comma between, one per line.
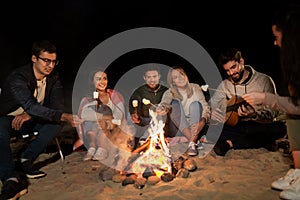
x=240, y=73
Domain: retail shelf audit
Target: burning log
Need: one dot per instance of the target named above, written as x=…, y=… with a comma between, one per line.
x=143, y=147
x=152, y=161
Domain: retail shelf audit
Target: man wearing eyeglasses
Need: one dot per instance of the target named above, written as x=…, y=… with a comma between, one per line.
x=31, y=100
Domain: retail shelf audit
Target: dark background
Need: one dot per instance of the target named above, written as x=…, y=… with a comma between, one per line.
x=76, y=27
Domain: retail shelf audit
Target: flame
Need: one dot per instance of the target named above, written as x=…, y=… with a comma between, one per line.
x=157, y=156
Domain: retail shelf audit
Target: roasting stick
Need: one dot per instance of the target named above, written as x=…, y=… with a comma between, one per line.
x=206, y=87
x=147, y=101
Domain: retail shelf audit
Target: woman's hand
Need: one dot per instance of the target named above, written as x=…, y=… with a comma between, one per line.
x=254, y=98
x=161, y=110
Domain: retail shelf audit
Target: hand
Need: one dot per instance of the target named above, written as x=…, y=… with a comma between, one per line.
x=254, y=98
x=18, y=121
x=244, y=110
x=218, y=115
x=161, y=110
x=73, y=120
x=197, y=127
x=135, y=118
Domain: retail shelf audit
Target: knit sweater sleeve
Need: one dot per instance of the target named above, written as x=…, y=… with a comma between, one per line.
x=281, y=103
x=166, y=99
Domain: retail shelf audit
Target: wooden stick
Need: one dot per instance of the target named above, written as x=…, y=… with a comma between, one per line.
x=141, y=148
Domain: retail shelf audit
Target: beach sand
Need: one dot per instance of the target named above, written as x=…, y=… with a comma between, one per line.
x=240, y=174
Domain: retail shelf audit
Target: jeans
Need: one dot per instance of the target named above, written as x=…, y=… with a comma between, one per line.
x=177, y=121
x=47, y=132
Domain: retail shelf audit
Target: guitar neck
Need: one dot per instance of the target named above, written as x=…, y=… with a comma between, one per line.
x=235, y=106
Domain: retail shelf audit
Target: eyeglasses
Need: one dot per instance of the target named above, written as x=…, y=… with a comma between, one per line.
x=49, y=61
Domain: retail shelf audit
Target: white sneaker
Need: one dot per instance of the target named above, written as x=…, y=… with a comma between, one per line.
x=286, y=181
x=192, y=150
x=199, y=145
x=89, y=154
x=100, y=154
x=292, y=192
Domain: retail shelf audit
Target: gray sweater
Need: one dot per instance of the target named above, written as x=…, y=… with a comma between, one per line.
x=255, y=82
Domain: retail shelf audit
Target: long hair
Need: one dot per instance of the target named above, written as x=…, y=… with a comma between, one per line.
x=290, y=55
x=174, y=90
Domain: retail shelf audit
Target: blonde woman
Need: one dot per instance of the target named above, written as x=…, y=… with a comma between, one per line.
x=186, y=106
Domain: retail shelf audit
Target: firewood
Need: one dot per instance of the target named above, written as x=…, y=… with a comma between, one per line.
x=142, y=147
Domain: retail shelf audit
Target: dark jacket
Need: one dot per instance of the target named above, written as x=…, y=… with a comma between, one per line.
x=18, y=90
x=146, y=92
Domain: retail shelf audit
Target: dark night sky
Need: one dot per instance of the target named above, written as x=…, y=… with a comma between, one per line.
x=76, y=27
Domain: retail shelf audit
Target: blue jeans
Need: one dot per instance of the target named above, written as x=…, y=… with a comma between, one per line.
x=177, y=121
x=47, y=132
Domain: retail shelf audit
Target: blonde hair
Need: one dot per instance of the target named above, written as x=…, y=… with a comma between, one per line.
x=174, y=90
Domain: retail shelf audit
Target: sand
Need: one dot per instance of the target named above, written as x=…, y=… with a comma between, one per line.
x=240, y=174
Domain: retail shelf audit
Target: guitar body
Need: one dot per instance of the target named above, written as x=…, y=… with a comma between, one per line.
x=232, y=117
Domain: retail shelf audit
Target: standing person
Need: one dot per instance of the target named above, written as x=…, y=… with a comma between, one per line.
x=152, y=90
x=286, y=29
x=110, y=103
x=187, y=108
x=247, y=126
x=31, y=100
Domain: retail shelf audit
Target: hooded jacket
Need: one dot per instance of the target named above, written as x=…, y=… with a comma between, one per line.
x=255, y=82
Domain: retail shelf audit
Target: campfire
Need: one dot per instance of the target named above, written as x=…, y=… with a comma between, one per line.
x=154, y=153
x=152, y=161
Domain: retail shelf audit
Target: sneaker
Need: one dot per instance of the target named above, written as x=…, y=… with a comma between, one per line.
x=13, y=190
x=286, y=181
x=30, y=172
x=199, y=145
x=90, y=153
x=100, y=154
x=292, y=192
x=192, y=150
x=221, y=148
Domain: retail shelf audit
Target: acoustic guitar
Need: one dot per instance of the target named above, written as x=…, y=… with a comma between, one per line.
x=232, y=117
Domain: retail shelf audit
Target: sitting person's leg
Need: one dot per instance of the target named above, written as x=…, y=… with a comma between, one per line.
x=46, y=133
x=14, y=184
x=91, y=145
x=247, y=135
x=178, y=125
x=102, y=146
x=257, y=135
x=293, y=131
x=196, y=123
x=89, y=138
x=6, y=160
x=287, y=182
